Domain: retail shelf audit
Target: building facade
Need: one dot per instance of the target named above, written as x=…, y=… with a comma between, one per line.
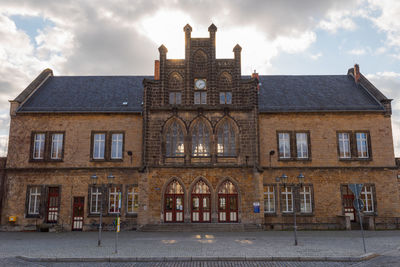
x=199, y=144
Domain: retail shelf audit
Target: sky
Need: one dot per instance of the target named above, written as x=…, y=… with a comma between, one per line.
x=121, y=37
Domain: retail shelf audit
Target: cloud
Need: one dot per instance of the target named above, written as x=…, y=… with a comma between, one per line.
x=357, y=52
x=316, y=56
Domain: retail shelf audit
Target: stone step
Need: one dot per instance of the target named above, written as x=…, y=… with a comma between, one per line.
x=201, y=227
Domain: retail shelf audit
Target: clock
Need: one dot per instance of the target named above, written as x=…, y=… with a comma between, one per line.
x=200, y=84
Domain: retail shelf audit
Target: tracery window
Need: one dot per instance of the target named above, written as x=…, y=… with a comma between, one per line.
x=200, y=140
x=174, y=187
x=226, y=146
x=174, y=141
x=201, y=188
x=227, y=187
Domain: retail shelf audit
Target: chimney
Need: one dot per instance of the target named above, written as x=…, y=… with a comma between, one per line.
x=255, y=75
x=156, y=70
x=356, y=73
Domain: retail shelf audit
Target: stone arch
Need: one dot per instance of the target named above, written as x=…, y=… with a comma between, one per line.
x=164, y=193
x=172, y=137
x=239, y=199
x=227, y=138
x=175, y=82
x=205, y=202
x=200, y=60
x=201, y=137
x=225, y=81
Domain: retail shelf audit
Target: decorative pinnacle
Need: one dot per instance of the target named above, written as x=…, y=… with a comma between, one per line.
x=237, y=48
x=163, y=49
x=187, y=28
x=212, y=28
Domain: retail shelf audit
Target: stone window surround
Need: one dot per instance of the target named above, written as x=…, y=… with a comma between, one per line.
x=105, y=191
x=296, y=196
x=375, y=212
x=266, y=213
x=293, y=145
x=43, y=200
x=353, y=145
x=108, y=145
x=47, y=146
x=125, y=200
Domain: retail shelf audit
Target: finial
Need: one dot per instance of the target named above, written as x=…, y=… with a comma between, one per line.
x=212, y=28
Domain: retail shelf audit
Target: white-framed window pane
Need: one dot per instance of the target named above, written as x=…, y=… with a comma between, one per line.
x=305, y=199
x=99, y=145
x=222, y=98
x=197, y=98
x=116, y=145
x=344, y=145
x=95, y=198
x=228, y=98
x=362, y=145
x=34, y=200
x=172, y=98
x=56, y=145
x=203, y=98
x=269, y=199
x=113, y=200
x=178, y=98
x=302, y=145
x=287, y=197
x=132, y=200
x=38, y=146
x=284, y=145
x=175, y=98
x=368, y=197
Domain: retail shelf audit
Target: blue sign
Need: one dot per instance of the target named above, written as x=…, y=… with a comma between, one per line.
x=256, y=207
x=356, y=189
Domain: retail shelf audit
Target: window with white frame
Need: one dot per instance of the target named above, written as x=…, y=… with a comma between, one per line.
x=344, y=145
x=56, y=145
x=367, y=196
x=200, y=98
x=302, y=145
x=305, y=199
x=287, y=199
x=99, y=142
x=362, y=145
x=113, y=200
x=132, y=199
x=95, y=199
x=34, y=200
x=117, y=141
x=38, y=146
x=269, y=199
x=284, y=145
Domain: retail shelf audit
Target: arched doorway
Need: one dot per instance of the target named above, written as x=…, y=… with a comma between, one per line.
x=173, y=205
x=227, y=202
x=201, y=199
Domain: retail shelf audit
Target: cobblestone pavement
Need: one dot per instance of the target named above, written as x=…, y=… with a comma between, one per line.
x=219, y=244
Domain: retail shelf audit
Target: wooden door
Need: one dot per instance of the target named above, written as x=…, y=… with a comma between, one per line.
x=348, y=198
x=227, y=202
x=201, y=211
x=173, y=209
x=53, y=204
x=78, y=214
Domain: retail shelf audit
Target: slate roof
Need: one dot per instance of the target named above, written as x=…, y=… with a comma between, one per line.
x=291, y=93
x=87, y=94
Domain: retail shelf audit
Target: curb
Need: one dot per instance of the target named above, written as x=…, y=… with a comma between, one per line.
x=363, y=257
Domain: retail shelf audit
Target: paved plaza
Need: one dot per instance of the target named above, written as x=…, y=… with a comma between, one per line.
x=198, y=247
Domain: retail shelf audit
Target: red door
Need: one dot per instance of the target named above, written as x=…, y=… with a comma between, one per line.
x=201, y=208
x=78, y=214
x=348, y=198
x=53, y=204
x=173, y=203
x=227, y=202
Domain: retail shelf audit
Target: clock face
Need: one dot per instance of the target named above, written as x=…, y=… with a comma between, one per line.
x=200, y=84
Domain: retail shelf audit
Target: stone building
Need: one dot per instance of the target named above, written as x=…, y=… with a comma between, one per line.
x=198, y=145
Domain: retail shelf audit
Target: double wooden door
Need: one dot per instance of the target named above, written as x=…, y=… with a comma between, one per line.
x=227, y=208
x=201, y=208
x=174, y=208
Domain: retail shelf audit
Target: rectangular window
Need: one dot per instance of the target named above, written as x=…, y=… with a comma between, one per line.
x=305, y=199
x=56, y=145
x=368, y=197
x=225, y=97
x=302, y=145
x=284, y=145
x=200, y=98
x=287, y=199
x=132, y=198
x=99, y=140
x=269, y=199
x=344, y=145
x=38, y=146
x=175, y=98
x=113, y=200
x=362, y=145
x=117, y=140
x=95, y=200
x=34, y=200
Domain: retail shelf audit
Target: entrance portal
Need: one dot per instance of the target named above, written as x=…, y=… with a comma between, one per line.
x=52, y=205
x=201, y=199
x=174, y=199
x=227, y=202
x=77, y=215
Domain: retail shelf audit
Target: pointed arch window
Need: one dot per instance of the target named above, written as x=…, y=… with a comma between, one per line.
x=226, y=146
x=174, y=141
x=200, y=140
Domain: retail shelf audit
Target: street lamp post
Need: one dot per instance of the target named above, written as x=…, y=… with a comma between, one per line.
x=284, y=179
x=94, y=179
